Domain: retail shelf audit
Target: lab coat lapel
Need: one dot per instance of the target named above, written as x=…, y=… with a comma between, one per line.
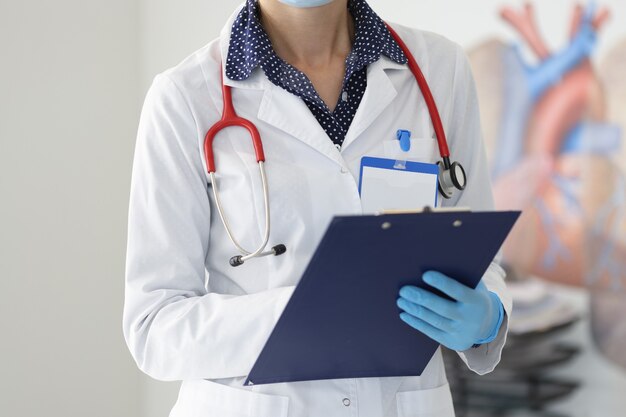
x=290, y=114
x=379, y=94
x=279, y=108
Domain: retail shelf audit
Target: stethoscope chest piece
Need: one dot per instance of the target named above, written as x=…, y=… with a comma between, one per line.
x=451, y=177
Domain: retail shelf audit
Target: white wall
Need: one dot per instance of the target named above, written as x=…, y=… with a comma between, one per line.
x=171, y=30
x=68, y=112
x=73, y=75
x=467, y=22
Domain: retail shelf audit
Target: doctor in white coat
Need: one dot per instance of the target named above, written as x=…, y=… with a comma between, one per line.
x=325, y=85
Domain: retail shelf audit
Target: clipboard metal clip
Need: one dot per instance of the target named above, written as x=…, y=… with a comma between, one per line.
x=400, y=165
x=426, y=209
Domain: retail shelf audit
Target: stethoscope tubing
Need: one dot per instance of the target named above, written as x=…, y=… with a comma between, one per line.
x=428, y=98
x=231, y=119
x=246, y=253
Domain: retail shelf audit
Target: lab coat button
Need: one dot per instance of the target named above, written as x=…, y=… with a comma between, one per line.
x=344, y=170
x=346, y=402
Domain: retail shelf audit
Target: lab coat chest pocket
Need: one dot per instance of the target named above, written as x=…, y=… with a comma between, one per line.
x=436, y=402
x=204, y=398
x=421, y=150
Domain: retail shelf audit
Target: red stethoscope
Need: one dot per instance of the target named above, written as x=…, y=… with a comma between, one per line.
x=451, y=175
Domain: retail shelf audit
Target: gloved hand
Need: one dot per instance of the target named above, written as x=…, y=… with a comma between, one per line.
x=473, y=319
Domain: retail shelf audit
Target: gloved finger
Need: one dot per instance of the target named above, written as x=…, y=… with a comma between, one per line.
x=421, y=326
x=433, y=302
x=448, y=285
x=430, y=317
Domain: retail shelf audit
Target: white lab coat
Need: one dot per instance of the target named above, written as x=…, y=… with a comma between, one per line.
x=188, y=314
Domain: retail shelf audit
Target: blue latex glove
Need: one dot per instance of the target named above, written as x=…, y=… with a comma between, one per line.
x=473, y=319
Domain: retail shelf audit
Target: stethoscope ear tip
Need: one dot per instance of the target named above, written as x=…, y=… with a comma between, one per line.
x=236, y=260
x=279, y=249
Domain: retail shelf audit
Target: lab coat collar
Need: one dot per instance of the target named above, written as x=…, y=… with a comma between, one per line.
x=290, y=114
x=256, y=79
x=279, y=108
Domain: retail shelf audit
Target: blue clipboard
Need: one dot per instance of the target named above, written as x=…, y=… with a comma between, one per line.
x=342, y=320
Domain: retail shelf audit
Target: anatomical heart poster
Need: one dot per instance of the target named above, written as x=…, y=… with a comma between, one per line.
x=554, y=122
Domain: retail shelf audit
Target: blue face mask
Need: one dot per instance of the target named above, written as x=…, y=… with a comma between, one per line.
x=306, y=3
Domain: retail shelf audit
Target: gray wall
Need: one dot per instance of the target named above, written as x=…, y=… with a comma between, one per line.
x=69, y=101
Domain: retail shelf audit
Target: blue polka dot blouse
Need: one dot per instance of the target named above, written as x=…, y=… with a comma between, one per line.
x=250, y=48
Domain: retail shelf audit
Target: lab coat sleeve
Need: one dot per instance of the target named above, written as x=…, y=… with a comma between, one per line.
x=174, y=328
x=467, y=146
